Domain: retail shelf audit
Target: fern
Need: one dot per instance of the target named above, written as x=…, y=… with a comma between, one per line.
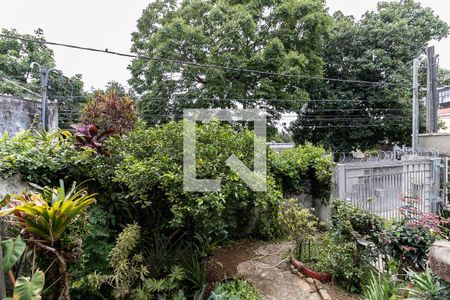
x=166, y=286
x=425, y=285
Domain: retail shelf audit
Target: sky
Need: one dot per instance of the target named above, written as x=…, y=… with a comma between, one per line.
x=109, y=23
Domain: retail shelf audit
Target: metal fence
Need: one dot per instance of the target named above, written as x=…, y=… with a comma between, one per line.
x=378, y=185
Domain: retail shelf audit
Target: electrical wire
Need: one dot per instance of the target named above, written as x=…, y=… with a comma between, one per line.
x=2, y=77
x=256, y=99
x=195, y=64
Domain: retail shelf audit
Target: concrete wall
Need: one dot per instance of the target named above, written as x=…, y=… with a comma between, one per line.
x=19, y=113
x=13, y=185
x=439, y=141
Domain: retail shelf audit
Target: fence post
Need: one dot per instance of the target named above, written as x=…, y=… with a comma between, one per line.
x=340, y=181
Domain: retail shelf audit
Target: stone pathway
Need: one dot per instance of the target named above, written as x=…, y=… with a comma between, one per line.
x=271, y=275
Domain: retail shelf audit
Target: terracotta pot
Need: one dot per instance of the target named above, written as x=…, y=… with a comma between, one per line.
x=323, y=277
x=298, y=265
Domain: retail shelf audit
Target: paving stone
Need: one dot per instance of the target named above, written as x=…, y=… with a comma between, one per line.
x=310, y=280
x=273, y=278
x=324, y=294
x=318, y=284
x=313, y=287
x=315, y=296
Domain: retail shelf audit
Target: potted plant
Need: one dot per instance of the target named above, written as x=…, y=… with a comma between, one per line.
x=301, y=226
x=313, y=261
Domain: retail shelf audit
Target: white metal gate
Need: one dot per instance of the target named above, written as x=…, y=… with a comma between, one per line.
x=378, y=186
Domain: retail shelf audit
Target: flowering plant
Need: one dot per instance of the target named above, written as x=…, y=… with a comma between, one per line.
x=409, y=239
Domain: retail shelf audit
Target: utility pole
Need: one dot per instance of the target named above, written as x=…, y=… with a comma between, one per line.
x=415, y=119
x=432, y=93
x=45, y=72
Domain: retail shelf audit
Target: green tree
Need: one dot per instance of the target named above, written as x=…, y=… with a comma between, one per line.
x=443, y=77
x=16, y=57
x=115, y=87
x=378, y=48
x=269, y=36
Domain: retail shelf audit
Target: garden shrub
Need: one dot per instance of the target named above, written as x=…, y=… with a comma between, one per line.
x=235, y=289
x=44, y=158
x=110, y=112
x=141, y=181
x=142, y=178
x=303, y=169
x=405, y=241
x=353, y=223
x=150, y=172
x=93, y=232
x=348, y=262
x=129, y=275
x=353, y=244
x=126, y=264
x=298, y=223
x=409, y=239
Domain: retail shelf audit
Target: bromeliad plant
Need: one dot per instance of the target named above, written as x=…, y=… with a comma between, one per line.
x=46, y=215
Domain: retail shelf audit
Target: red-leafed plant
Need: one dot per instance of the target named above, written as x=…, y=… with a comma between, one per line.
x=409, y=239
x=110, y=112
x=90, y=136
x=415, y=218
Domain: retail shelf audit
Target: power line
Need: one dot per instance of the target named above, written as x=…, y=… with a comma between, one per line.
x=257, y=99
x=404, y=67
x=2, y=77
x=195, y=64
x=306, y=113
x=349, y=126
x=300, y=113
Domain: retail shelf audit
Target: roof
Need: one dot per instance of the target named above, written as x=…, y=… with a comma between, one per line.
x=444, y=112
x=444, y=88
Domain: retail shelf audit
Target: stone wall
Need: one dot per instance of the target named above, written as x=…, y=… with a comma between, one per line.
x=13, y=185
x=440, y=259
x=20, y=113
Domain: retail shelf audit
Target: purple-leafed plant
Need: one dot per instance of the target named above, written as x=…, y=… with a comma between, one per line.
x=90, y=136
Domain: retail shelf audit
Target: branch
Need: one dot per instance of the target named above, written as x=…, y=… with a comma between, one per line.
x=62, y=269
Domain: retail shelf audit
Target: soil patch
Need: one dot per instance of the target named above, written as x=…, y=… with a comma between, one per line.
x=340, y=294
x=222, y=265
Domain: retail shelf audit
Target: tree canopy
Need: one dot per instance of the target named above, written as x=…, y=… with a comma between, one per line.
x=16, y=57
x=378, y=48
x=270, y=36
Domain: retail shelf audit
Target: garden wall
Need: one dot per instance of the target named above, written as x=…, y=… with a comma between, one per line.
x=20, y=113
x=12, y=185
x=322, y=210
x=438, y=141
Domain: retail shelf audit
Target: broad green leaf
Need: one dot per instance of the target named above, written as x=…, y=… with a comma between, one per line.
x=12, y=250
x=26, y=289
